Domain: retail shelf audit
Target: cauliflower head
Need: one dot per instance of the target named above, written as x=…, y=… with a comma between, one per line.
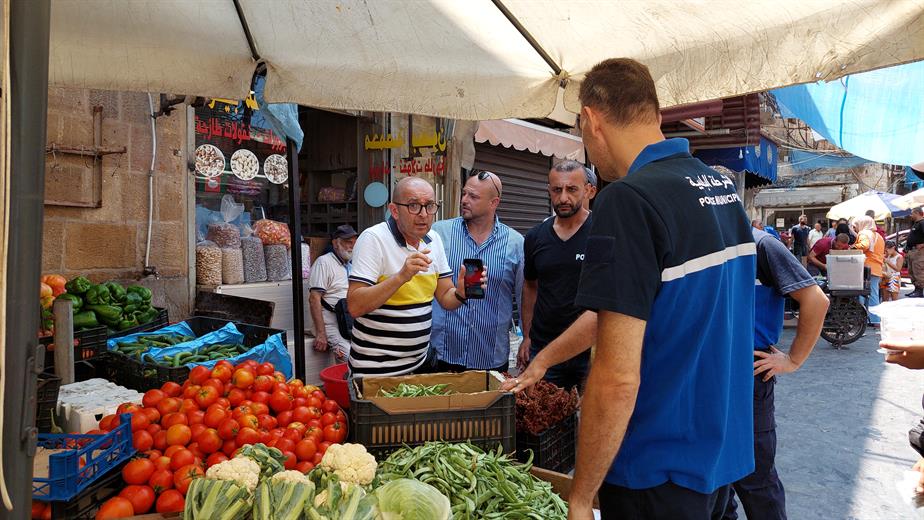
x=292, y=476
x=350, y=462
x=242, y=470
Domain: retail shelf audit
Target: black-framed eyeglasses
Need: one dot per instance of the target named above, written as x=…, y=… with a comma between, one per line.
x=415, y=208
x=484, y=174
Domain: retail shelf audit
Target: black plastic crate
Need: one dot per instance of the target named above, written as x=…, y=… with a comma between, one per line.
x=142, y=377
x=88, y=344
x=383, y=433
x=158, y=322
x=552, y=449
x=85, y=505
x=46, y=400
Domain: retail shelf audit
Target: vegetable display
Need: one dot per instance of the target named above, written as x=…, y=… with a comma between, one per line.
x=479, y=484
x=411, y=499
x=139, y=347
x=543, y=406
x=411, y=390
x=115, y=306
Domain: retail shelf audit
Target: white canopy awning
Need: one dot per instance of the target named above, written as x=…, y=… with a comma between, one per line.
x=799, y=197
x=469, y=60
x=523, y=135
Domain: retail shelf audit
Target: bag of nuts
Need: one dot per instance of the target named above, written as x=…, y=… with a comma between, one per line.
x=208, y=263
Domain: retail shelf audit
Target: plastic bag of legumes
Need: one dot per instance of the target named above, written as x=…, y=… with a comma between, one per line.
x=272, y=233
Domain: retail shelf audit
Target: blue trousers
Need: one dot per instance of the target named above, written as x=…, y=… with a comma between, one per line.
x=761, y=493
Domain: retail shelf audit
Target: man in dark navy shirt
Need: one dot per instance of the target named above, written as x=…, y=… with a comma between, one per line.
x=670, y=271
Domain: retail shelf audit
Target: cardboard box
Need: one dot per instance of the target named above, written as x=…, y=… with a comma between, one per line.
x=561, y=483
x=474, y=389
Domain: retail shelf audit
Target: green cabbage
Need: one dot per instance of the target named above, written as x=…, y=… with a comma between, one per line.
x=409, y=499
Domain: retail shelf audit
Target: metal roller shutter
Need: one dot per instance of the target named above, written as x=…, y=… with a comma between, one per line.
x=525, y=175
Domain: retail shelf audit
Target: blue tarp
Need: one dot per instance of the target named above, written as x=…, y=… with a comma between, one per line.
x=914, y=180
x=877, y=115
x=804, y=160
x=759, y=159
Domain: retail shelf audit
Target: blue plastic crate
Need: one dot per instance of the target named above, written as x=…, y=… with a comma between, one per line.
x=66, y=478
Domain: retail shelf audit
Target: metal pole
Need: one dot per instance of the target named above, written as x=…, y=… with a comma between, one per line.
x=29, y=29
x=295, y=229
x=64, y=340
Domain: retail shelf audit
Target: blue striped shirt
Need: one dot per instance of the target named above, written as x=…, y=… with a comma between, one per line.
x=477, y=334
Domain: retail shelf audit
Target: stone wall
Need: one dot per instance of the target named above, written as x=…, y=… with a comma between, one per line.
x=108, y=242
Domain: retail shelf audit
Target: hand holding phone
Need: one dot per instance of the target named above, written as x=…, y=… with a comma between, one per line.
x=474, y=271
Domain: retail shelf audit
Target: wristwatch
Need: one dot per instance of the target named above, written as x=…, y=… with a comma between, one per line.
x=459, y=297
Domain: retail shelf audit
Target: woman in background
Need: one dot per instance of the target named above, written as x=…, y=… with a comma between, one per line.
x=873, y=247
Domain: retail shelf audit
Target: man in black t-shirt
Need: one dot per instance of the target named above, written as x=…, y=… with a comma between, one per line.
x=914, y=253
x=554, y=255
x=800, y=244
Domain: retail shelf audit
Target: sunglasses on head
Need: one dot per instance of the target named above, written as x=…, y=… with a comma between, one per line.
x=484, y=174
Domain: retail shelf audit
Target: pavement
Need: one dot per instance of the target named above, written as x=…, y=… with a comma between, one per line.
x=842, y=427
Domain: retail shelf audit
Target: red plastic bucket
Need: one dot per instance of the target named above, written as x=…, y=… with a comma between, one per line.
x=335, y=386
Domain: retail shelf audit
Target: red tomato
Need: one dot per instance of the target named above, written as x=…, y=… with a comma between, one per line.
x=305, y=450
x=296, y=382
x=281, y=387
x=140, y=421
x=314, y=432
x=196, y=429
x=228, y=429
x=291, y=460
x=189, y=404
x=299, y=401
x=215, y=458
x=335, y=432
x=115, y=507
x=330, y=406
x=293, y=434
x=185, y=475
x=223, y=402
x=267, y=422
x=142, y=440
x=301, y=414
x=207, y=396
x=250, y=364
x=319, y=394
x=322, y=447
x=328, y=418
x=195, y=417
x=127, y=408
x=171, y=389
x=225, y=363
x=229, y=447
x=190, y=391
x=266, y=369
x=109, y=422
x=141, y=497
x=152, y=397
x=317, y=458
x=315, y=422
x=314, y=401
x=304, y=466
x=153, y=414
x=174, y=418
x=138, y=471
x=297, y=426
x=236, y=396
x=315, y=412
x=209, y=441
x=221, y=373
x=161, y=480
x=263, y=383
x=160, y=440
x=214, y=416
x=280, y=401
x=247, y=436
x=170, y=501
x=37, y=509
x=265, y=436
x=243, y=409
x=173, y=449
x=259, y=408
x=260, y=396
x=242, y=378
x=215, y=383
x=162, y=462
x=178, y=435
x=301, y=391
x=153, y=455
x=199, y=374
x=249, y=421
x=284, y=444
x=194, y=448
x=284, y=418
x=168, y=405
x=181, y=458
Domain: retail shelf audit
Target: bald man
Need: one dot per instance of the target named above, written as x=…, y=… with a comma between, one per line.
x=477, y=336
x=399, y=268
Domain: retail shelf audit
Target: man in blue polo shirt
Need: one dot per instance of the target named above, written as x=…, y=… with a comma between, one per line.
x=670, y=270
x=779, y=274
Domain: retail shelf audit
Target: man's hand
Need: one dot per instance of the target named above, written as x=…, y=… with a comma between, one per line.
x=533, y=373
x=908, y=355
x=460, y=281
x=320, y=343
x=580, y=510
x=523, y=354
x=919, y=467
x=772, y=363
x=414, y=264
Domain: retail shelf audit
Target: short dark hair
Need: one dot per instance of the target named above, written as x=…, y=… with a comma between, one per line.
x=843, y=238
x=569, y=165
x=890, y=244
x=622, y=90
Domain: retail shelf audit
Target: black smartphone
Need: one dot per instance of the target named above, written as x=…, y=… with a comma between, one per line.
x=473, y=271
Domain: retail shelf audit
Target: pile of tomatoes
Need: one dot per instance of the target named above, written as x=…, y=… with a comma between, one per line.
x=181, y=430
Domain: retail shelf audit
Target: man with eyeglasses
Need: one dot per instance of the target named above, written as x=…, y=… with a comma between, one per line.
x=477, y=336
x=554, y=256
x=399, y=268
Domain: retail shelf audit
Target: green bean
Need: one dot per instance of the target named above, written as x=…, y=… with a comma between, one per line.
x=406, y=390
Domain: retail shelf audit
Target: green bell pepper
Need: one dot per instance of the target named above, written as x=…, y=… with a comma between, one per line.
x=98, y=295
x=147, y=316
x=78, y=285
x=108, y=314
x=126, y=324
x=133, y=298
x=116, y=292
x=85, y=320
x=75, y=300
x=144, y=292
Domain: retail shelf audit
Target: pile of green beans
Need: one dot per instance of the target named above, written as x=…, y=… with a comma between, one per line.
x=479, y=485
x=406, y=390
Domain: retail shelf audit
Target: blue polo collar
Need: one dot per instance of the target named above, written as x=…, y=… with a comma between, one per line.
x=660, y=150
x=399, y=238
